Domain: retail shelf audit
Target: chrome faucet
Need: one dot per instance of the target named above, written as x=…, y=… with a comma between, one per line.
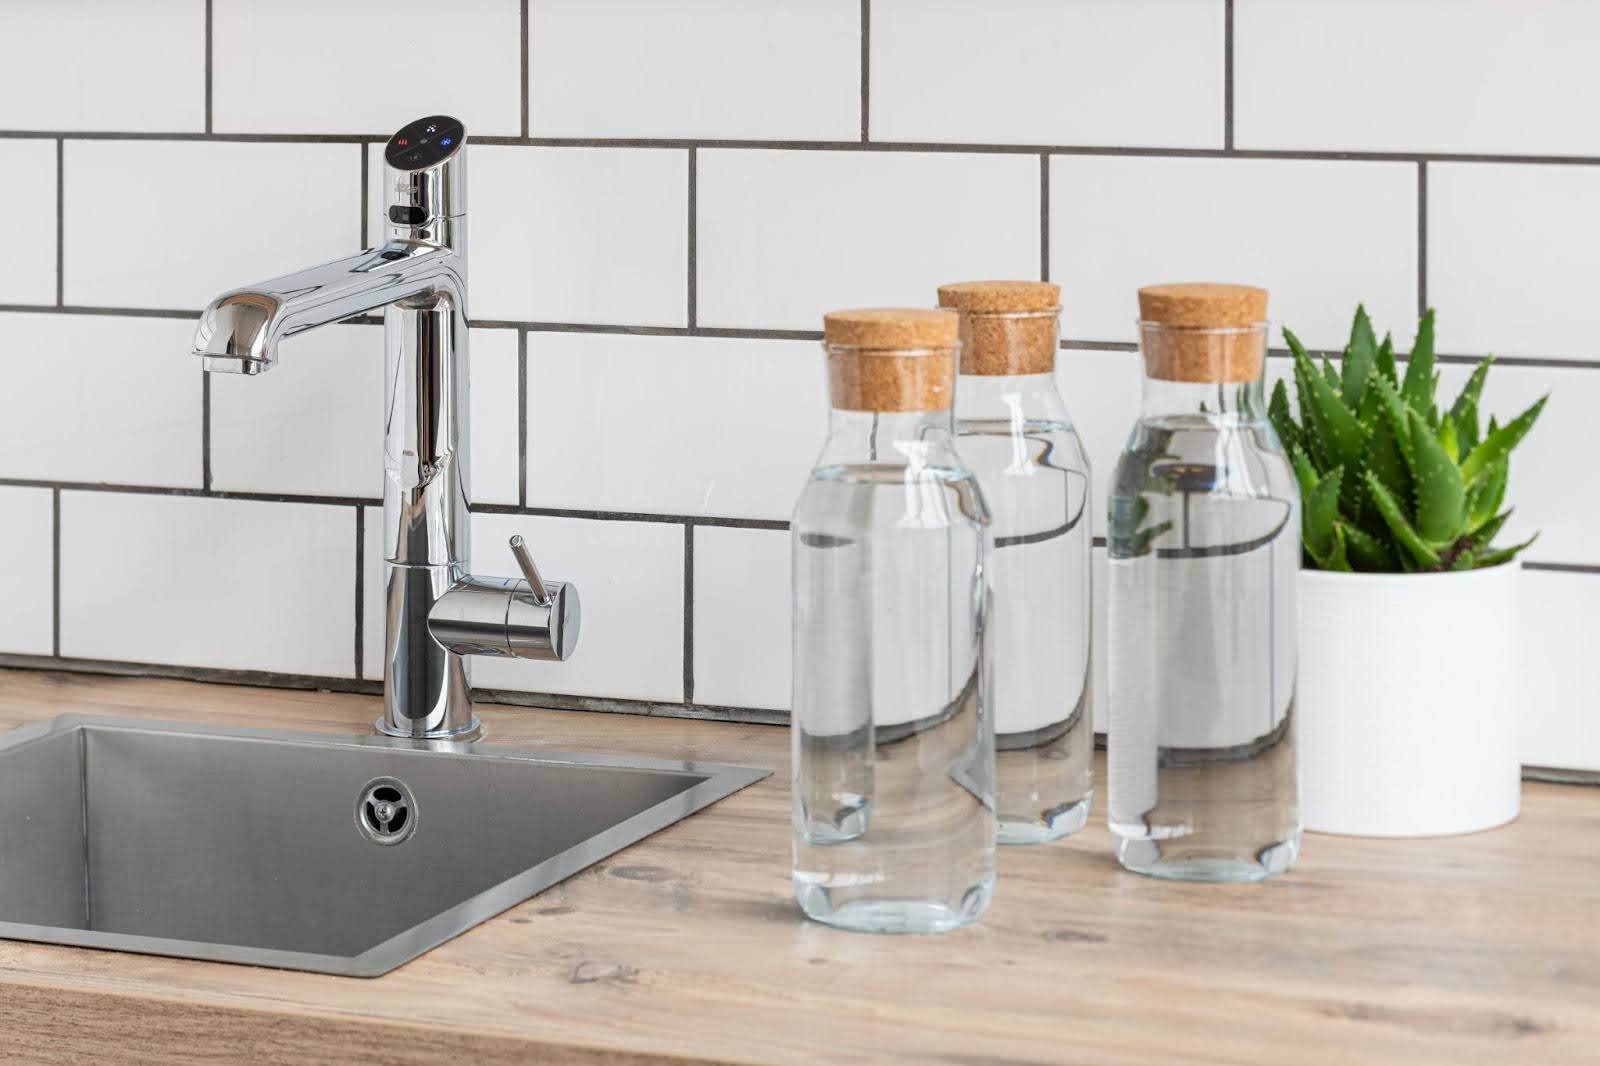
x=437, y=612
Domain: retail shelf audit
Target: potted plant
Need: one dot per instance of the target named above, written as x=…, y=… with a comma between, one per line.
x=1408, y=675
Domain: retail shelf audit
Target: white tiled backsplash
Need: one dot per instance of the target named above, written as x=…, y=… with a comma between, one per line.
x=665, y=197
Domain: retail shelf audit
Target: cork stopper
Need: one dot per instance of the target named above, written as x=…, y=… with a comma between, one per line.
x=1007, y=327
x=1203, y=331
x=890, y=359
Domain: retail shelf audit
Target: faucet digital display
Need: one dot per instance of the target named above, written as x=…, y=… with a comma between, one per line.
x=427, y=142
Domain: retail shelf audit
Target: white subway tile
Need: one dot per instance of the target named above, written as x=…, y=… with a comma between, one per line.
x=630, y=578
x=695, y=68
x=171, y=224
x=26, y=609
x=1101, y=390
x=495, y=460
x=742, y=649
x=227, y=584
x=314, y=424
x=101, y=65
x=1511, y=263
x=1069, y=72
x=788, y=235
x=1561, y=706
x=28, y=269
x=1320, y=235
x=96, y=398
x=690, y=425
x=594, y=235
x=365, y=66
x=1417, y=76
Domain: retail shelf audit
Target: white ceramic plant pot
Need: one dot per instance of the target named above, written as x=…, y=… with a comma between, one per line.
x=1407, y=698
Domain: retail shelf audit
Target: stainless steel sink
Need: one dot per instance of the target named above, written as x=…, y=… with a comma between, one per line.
x=343, y=855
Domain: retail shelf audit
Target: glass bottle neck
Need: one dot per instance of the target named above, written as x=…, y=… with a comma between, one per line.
x=890, y=438
x=1224, y=401
x=1008, y=396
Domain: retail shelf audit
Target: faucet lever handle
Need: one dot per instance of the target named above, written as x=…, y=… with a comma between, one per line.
x=530, y=570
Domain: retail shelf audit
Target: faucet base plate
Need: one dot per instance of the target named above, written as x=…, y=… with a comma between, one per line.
x=473, y=730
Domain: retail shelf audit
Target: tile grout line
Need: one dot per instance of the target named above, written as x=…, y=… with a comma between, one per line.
x=61, y=221
x=694, y=226
x=1044, y=216
x=866, y=67
x=361, y=599
x=689, y=522
x=524, y=49
x=522, y=417
x=209, y=49
x=1227, y=75
x=55, y=573
x=1422, y=239
x=688, y=612
x=1530, y=362
x=935, y=147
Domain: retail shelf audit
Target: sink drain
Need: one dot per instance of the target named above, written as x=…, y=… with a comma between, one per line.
x=386, y=812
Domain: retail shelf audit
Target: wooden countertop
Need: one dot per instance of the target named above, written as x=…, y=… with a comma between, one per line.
x=687, y=947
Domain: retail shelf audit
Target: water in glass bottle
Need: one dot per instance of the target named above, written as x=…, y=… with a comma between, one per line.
x=1204, y=550
x=893, y=744
x=1014, y=431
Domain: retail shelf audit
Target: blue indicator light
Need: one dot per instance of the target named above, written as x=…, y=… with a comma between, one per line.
x=446, y=142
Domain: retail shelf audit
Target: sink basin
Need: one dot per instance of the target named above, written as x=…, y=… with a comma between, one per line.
x=344, y=855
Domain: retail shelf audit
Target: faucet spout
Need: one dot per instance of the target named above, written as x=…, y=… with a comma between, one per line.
x=239, y=331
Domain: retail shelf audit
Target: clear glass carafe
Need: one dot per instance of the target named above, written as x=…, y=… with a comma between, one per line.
x=893, y=746
x=1014, y=431
x=1204, y=549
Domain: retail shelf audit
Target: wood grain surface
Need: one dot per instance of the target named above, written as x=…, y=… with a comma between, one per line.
x=687, y=947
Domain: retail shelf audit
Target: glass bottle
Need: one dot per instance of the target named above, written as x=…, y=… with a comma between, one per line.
x=1013, y=430
x=893, y=745
x=1204, y=547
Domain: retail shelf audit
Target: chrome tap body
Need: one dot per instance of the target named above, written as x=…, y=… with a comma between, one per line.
x=436, y=612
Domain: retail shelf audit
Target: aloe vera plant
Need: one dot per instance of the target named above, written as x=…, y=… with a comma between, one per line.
x=1390, y=481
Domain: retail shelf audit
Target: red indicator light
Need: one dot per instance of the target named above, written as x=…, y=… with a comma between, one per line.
x=403, y=141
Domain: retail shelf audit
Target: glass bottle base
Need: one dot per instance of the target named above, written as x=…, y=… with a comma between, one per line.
x=894, y=915
x=1053, y=824
x=1169, y=859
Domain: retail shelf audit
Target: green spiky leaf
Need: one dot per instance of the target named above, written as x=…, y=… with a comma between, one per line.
x=1367, y=552
x=1417, y=390
x=1490, y=493
x=1321, y=510
x=1281, y=417
x=1504, y=555
x=1446, y=435
x=1464, y=412
x=1385, y=361
x=1441, y=494
x=1303, y=471
x=1360, y=359
x=1499, y=441
x=1335, y=428
x=1399, y=431
x=1417, y=549
x=1338, y=555
x=1484, y=535
x=1330, y=374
